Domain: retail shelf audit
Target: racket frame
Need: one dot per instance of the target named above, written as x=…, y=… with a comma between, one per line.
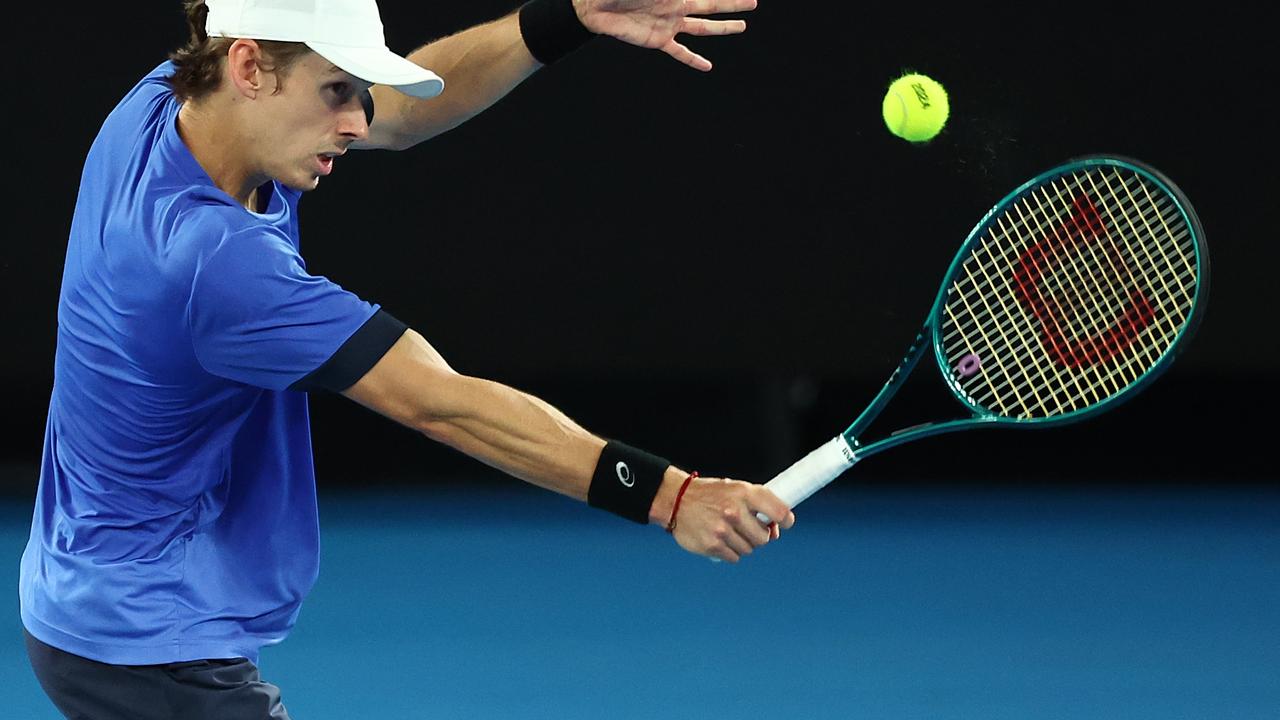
x=931, y=333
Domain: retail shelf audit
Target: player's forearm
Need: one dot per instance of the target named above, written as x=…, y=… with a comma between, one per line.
x=479, y=67
x=498, y=425
x=514, y=432
x=528, y=438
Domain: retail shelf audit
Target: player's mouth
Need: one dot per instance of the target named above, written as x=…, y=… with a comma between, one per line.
x=325, y=160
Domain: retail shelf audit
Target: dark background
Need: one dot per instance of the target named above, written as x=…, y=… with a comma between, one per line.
x=724, y=267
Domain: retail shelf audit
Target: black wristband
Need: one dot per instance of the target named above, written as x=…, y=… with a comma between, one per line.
x=551, y=29
x=626, y=481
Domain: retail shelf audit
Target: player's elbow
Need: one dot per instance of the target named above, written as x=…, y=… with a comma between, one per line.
x=412, y=385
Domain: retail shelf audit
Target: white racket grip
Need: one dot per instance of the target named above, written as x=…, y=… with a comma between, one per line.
x=811, y=473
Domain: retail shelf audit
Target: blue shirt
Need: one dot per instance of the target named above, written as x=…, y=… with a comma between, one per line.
x=176, y=513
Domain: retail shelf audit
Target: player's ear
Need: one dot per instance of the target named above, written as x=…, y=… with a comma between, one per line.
x=244, y=67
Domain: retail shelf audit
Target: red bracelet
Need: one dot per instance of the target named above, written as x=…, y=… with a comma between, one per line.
x=671, y=526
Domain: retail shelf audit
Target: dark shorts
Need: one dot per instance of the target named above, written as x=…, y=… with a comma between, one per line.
x=84, y=689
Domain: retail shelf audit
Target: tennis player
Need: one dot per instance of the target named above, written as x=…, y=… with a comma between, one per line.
x=175, y=527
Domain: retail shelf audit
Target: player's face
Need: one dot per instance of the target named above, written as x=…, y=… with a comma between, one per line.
x=314, y=118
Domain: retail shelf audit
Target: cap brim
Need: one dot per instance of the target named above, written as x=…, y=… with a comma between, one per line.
x=380, y=66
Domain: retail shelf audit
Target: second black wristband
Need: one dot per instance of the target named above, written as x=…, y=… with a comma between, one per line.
x=551, y=29
x=626, y=481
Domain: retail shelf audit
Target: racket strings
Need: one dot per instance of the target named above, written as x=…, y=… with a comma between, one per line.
x=1145, y=280
x=1071, y=312
x=1022, y=246
x=1024, y=351
x=1187, y=276
x=1037, y=299
x=1100, y=379
x=1166, y=325
x=1072, y=294
x=1030, y=364
x=1054, y=320
x=1184, y=289
x=1082, y=299
x=1019, y=360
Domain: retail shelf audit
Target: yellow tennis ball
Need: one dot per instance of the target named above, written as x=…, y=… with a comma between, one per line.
x=915, y=107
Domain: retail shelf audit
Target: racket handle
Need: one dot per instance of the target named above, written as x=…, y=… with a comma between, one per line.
x=811, y=473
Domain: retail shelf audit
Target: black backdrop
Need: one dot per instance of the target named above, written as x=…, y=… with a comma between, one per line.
x=723, y=267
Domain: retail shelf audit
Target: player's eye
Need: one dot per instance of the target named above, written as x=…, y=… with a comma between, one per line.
x=342, y=91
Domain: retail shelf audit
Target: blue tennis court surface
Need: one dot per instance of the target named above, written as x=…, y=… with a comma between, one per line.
x=507, y=602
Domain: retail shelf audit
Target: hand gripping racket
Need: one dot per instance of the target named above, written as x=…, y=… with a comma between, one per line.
x=1071, y=295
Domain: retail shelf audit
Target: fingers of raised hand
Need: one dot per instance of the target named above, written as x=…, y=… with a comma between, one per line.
x=686, y=56
x=699, y=26
x=713, y=7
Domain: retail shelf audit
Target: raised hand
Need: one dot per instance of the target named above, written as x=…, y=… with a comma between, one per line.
x=656, y=23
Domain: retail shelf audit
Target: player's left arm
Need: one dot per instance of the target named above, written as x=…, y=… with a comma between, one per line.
x=484, y=63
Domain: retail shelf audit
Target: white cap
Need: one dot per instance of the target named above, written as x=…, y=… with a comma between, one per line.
x=347, y=33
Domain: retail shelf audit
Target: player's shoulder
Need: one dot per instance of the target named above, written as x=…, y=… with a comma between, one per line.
x=157, y=81
x=133, y=135
x=159, y=75
x=148, y=96
x=214, y=232
x=203, y=215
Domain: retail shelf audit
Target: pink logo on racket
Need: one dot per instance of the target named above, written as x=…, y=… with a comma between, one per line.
x=968, y=366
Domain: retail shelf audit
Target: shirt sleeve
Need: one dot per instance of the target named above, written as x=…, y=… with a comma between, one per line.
x=258, y=317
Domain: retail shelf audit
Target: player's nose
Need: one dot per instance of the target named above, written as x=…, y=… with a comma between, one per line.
x=352, y=122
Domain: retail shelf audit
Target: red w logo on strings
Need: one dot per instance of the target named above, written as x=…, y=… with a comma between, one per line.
x=1055, y=311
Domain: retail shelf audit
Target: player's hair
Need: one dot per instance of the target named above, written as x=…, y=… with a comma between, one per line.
x=199, y=62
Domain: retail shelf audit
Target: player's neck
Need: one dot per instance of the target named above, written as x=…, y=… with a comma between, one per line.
x=216, y=144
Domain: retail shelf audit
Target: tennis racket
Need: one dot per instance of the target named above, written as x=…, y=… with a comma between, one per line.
x=1071, y=295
